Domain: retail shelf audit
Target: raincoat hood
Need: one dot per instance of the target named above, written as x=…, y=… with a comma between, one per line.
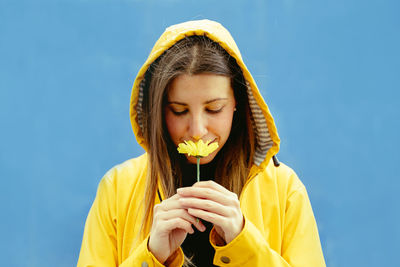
x=267, y=140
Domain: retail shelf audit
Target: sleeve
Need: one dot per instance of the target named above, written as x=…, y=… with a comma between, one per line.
x=300, y=245
x=99, y=244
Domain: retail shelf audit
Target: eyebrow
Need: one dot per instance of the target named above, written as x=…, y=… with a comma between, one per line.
x=207, y=102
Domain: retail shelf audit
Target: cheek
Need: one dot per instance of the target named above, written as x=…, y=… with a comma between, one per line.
x=174, y=126
x=223, y=125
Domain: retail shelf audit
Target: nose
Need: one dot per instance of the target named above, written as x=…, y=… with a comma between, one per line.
x=198, y=127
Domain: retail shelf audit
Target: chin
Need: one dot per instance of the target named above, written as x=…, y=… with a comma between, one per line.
x=205, y=160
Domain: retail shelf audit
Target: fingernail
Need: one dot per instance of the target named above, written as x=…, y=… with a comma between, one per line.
x=201, y=226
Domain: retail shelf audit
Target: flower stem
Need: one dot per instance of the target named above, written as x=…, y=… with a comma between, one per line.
x=198, y=169
x=198, y=178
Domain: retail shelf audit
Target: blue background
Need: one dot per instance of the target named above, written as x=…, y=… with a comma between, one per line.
x=329, y=71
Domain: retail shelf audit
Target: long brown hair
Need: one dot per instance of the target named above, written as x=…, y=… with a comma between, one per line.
x=193, y=55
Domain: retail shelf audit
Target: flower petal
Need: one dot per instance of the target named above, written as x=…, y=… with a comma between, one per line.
x=198, y=149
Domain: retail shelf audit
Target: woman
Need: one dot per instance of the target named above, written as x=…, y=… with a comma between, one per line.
x=248, y=210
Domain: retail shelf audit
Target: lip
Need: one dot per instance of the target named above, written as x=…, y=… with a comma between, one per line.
x=213, y=141
x=189, y=139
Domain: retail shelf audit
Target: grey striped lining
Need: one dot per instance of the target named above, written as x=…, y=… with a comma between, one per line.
x=263, y=137
x=139, y=105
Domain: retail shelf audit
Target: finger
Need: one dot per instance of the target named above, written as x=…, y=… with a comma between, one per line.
x=226, y=199
x=168, y=204
x=176, y=223
x=179, y=213
x=206, y=204
x=212, y=185
x=213, y=218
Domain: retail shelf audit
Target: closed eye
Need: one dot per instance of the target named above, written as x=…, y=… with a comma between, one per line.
x=214, y=111
x=178, y=113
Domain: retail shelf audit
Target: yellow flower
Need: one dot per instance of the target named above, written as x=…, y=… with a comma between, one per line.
x=199, y=149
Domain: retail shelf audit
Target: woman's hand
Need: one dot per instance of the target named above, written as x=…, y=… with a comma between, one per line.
x=214, y=203
x=171, y=224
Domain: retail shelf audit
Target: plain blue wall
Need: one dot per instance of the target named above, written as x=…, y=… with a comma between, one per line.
x=328, y=69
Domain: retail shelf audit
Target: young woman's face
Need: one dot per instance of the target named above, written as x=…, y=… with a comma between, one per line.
x=200, y=107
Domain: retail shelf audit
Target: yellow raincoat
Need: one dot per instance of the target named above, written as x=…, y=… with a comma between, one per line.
x=279, y=228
